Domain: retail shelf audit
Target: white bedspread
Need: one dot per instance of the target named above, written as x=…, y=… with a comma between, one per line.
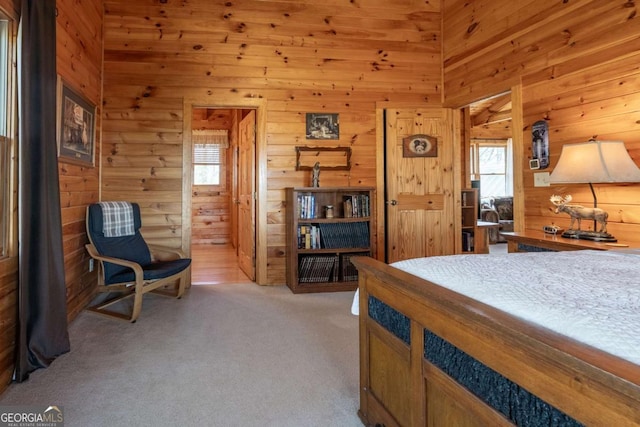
x=590, y=296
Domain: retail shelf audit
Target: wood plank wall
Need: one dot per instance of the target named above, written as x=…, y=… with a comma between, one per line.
x=79, y=63
x=603, y=102
x=301, y=56
x=211, y=205
x=575, y=62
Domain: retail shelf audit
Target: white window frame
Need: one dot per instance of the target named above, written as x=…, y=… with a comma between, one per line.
x=203, y=159
x=474, y=157
x=8, y=147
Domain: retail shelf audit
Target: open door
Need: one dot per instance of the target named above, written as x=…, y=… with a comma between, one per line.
x=419, y=183
x=246, y=195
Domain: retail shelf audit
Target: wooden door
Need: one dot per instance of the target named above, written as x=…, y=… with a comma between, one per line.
x=246, y=193
x=419, y=190
x=235, y=125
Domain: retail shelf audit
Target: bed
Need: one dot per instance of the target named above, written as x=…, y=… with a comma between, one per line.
x=528, y=339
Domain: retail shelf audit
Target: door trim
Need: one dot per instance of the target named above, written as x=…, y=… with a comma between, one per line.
x=261, y=172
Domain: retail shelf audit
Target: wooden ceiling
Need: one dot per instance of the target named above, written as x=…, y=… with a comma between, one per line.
x=491, y=117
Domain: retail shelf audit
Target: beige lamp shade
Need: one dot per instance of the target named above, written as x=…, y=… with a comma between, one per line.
x=595, y=162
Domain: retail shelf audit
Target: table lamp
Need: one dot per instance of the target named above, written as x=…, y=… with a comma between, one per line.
x=591, y=162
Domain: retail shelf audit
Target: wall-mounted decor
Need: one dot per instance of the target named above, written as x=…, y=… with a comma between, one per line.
x=540, y=143
x=329, y=158
x=76, y=127
x=323, y=126
x=420, y=146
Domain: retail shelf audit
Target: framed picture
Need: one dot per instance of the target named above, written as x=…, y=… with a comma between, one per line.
x=420, y=146
x=76, y=128
x=323, y=126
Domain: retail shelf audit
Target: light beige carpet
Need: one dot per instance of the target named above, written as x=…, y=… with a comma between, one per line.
x=224, y=355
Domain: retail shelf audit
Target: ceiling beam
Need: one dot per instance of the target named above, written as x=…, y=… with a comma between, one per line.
x=487, y=117
x=497, y=110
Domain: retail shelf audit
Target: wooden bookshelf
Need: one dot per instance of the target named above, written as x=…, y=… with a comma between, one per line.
x=469, y=220
x=319, y=248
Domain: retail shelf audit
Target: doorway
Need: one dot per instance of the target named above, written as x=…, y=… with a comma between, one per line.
x=490, y=162
x=225, y=269
x=223, y=190
x=490, y=146
x=451, y=171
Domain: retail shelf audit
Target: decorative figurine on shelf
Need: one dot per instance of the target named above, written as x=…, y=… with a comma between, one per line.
x=315, y=180
x=577, y=212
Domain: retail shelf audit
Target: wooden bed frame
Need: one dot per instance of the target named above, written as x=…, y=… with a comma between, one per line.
x=400, y=387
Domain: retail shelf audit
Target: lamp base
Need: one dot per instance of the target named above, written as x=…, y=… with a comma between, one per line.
x=596, y=236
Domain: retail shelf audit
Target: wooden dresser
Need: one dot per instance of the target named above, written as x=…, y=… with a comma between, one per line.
x=537, y=240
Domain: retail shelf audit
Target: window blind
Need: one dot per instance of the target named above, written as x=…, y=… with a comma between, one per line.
x=209, y=154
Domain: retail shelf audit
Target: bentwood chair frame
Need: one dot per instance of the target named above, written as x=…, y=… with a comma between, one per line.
x=144, y=278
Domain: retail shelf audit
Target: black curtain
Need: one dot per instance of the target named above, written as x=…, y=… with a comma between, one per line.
x=42, y=309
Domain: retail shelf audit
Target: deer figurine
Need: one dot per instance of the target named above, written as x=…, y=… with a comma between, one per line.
x=577, y=212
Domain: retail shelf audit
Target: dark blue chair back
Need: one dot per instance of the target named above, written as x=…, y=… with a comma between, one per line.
x=131, y=248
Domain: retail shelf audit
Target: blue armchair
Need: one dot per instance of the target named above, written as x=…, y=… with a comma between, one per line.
x=126, y=264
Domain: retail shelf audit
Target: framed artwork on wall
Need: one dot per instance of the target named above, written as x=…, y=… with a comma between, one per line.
x=420, y=146
x=323, y=126
x=76, y=127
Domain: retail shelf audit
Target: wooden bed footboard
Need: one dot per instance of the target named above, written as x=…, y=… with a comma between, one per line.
x=432, y=357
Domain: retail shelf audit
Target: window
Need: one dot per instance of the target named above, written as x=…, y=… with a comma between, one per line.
x=209, y=153
x=491, y=164
x=207, y=164
x=7, y=112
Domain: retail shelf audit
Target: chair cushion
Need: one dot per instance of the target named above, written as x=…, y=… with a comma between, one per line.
x=131, y=248
x=156, y=270
x=504, y=207
x=490, y=215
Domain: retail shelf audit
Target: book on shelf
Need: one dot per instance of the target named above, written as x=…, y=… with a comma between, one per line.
x=306, y=206
x=347, y=208
x=356, y=205
x=345, y=235
x=467, y=241
x=309, y=237
x=318, y=268
x=348, y=272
